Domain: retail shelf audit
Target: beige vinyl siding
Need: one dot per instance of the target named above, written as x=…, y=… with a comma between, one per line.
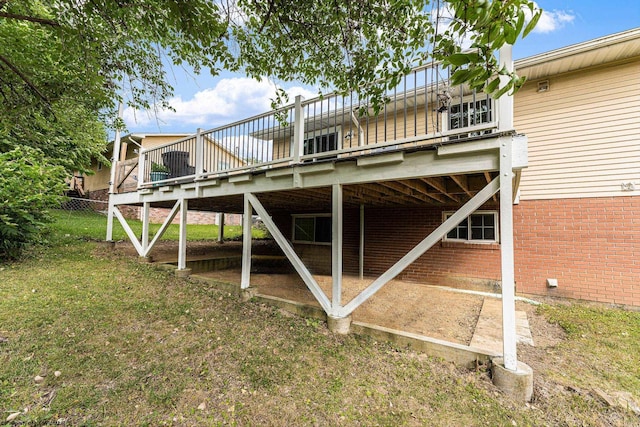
x=584, y=133
x=99, y=180
x=151, y=141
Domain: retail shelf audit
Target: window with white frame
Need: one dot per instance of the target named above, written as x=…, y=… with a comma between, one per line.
x=322, y=140
x=314, y=228
x=470, y=113
x=480, y=226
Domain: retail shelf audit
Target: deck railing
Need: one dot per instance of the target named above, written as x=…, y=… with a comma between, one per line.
x=422, y=109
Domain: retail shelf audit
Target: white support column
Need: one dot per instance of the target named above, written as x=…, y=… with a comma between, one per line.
x=361, y=252
x=336, y=247
x=505, y=103
x=145, y=226
x=112, y=180
x=505, y=123
x=182, y=246
x=507, y=258
x=220, y=227
x=116, y=154
x=142, y=159
x=109, y=236
x=245, y=281
x=298, y=130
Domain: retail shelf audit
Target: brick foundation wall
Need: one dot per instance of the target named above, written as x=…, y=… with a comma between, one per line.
x=158, y=215
x=391, y=233
x=591, y=245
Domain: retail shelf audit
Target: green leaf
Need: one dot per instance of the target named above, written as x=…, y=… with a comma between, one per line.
x=531, y=25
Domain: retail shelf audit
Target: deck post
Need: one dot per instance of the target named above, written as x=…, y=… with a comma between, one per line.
x=115, y=158
x=145, y=226
x=336, y=246
x=505, y=123
x=361, y=251
x=220, y=227
x=182, y=246
x=111, y=206
x=112, y=182
x=245, y=281
x=298, y=130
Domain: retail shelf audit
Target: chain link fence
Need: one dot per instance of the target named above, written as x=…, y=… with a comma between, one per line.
x=85, y=205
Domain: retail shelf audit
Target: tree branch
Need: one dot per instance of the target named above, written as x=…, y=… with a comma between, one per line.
x=24, y=78
x=266, y=18
x=44, y=21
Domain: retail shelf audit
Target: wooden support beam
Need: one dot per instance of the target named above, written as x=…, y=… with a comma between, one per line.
x=463, y=183
x=397, y=186
x=421, y=187
x=435, y=185
x=438, y=183
x=389, y=194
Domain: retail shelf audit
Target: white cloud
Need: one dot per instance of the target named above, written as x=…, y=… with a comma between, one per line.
x=231, y=99
x=553, y=20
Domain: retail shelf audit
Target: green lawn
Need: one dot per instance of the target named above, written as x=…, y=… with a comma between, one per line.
x=122, y=343
x=93, y=226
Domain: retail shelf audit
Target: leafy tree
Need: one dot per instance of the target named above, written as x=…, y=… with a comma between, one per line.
x=97, y=49
x=65, y=64
x=29, y=185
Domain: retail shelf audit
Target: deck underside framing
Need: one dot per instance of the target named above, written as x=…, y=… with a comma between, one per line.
x=490, y=157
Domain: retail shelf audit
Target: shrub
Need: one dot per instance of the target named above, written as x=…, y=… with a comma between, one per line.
x=29, y=185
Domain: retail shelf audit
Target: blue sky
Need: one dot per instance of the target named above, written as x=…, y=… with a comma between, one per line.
x=206, y=102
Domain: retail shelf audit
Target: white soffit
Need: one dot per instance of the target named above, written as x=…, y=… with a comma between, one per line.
x=615, y=47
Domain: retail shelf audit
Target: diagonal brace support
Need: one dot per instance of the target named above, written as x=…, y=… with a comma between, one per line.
x=128, y=230
x=163, y=228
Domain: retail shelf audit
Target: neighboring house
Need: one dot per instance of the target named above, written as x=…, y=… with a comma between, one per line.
x=390, y=182
x=96, y=186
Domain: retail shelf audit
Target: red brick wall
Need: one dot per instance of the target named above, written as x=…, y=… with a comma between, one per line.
x=391, y=233
x=591, y=245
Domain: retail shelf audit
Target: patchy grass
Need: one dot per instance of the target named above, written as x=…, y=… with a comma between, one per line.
x=604, y=345
x=134, y=345
x=93, y=226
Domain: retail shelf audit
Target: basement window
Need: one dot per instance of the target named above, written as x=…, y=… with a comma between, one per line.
x=479, y=227
x=315, y=228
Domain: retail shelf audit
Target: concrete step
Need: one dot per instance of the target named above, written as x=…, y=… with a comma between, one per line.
x=488, y=331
